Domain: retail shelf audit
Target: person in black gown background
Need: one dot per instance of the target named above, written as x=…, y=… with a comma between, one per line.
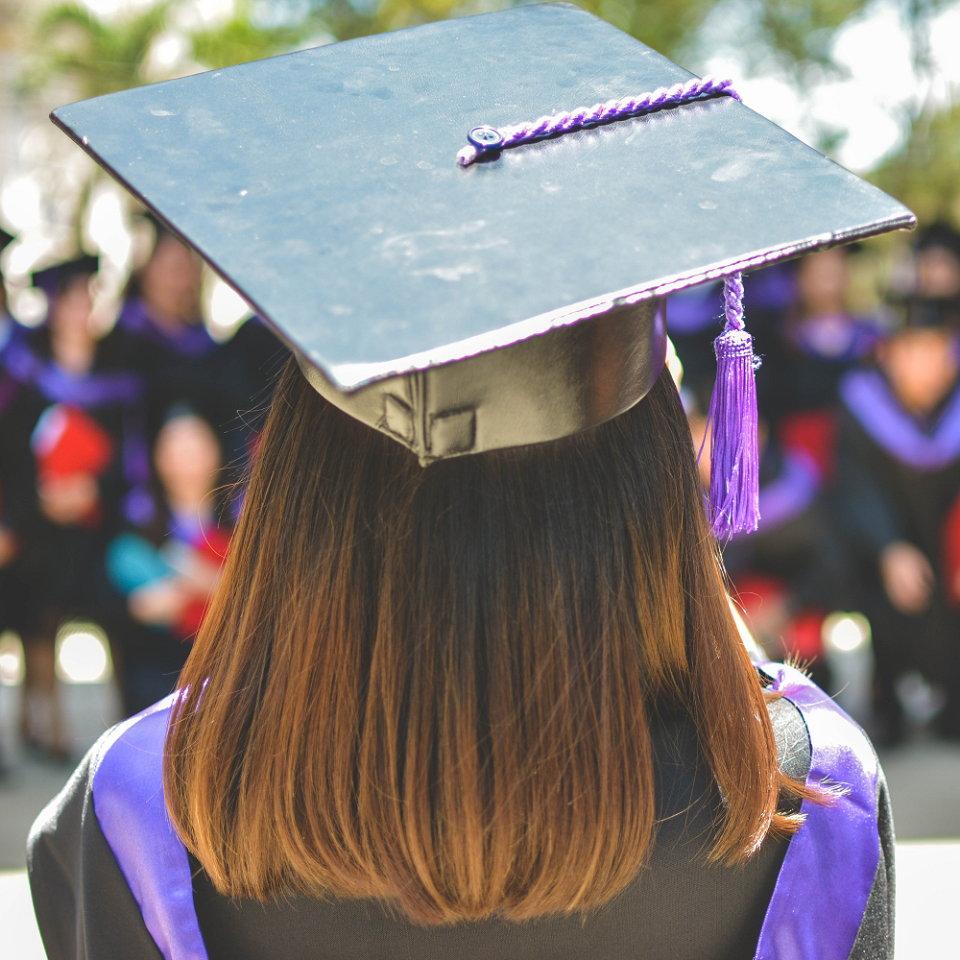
x=78, y=434
x=177, y=357
x=898, y=479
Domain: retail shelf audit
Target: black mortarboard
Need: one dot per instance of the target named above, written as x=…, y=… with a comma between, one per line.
x=324, y=186
x=53, y=280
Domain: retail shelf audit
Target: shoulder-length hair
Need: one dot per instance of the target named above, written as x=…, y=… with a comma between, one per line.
x=434, y=686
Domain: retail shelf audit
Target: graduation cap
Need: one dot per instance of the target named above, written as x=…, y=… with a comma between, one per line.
x=512, y=300
x=55, y=279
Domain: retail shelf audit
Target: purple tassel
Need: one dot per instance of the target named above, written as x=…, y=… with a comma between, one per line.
x=734, y=461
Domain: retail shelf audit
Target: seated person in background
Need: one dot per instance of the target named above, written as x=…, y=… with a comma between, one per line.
x=167, y=568
x=898, y=475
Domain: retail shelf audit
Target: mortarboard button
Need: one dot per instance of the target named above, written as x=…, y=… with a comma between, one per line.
x=485, y=138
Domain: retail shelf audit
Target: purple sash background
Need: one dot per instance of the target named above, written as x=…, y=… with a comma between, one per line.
x=191, y=341
x=866, y=395
x=827, y=874
x=130, y=808
x=89, y=391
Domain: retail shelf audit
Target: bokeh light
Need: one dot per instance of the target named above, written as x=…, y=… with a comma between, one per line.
x=83, y=654
x=224, y=308
x=11, y=659
x=846, y=632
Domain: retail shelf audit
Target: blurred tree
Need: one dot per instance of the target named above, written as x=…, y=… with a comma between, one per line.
x=96, y=56
x=246, y=36
x=796, y=37
x=801, y=32
x=925, y=173
x=106, y=55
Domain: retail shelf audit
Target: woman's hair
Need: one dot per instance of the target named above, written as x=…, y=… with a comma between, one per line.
x=434, y=686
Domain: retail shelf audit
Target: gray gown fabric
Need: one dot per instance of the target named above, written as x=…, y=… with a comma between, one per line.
x=678, y=908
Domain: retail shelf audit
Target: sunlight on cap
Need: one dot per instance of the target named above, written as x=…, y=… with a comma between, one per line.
x=83, y=655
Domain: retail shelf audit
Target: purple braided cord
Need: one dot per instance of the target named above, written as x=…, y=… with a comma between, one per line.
x=733, y=302
x=631, y=106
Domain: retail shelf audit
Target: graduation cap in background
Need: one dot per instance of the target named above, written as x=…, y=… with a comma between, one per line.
x=935, y=303
x=55, y=279
x=517, y=299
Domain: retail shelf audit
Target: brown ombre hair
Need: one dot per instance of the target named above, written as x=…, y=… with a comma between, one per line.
x=433, y=686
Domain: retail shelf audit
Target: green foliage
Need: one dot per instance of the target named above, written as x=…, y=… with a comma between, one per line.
x=239, y=40
x=98, y=57
x=801, y=31
x=925, y=174
x=665, y=26
x=101, y=56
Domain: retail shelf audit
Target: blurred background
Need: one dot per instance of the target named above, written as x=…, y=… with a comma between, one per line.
x=124, y=363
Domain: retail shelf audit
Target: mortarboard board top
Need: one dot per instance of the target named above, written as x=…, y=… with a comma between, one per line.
x=324, y=186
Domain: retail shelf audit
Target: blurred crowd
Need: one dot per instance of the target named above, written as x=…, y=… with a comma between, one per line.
x=120, y=457
x=860, y=473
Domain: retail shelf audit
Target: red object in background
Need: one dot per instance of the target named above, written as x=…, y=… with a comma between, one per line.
x=951, y=554
x=213, y=548
x=191, y=618
x=66, y=442
x=754, y=589
x=813, y=432
x=802, y=636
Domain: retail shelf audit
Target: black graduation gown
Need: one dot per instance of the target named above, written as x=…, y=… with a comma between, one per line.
x=101, y=890
x=794, y=542
x=885, y=495
x=17, y=493
x=228, y=383
x=60, y=568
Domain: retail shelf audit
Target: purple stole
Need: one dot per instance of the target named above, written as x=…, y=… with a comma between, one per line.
x=825, y=881
x=128, y=801
x=868, y=397
x=838, y=339
x=815, y=912
x=190, y=343
x=93, y=390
